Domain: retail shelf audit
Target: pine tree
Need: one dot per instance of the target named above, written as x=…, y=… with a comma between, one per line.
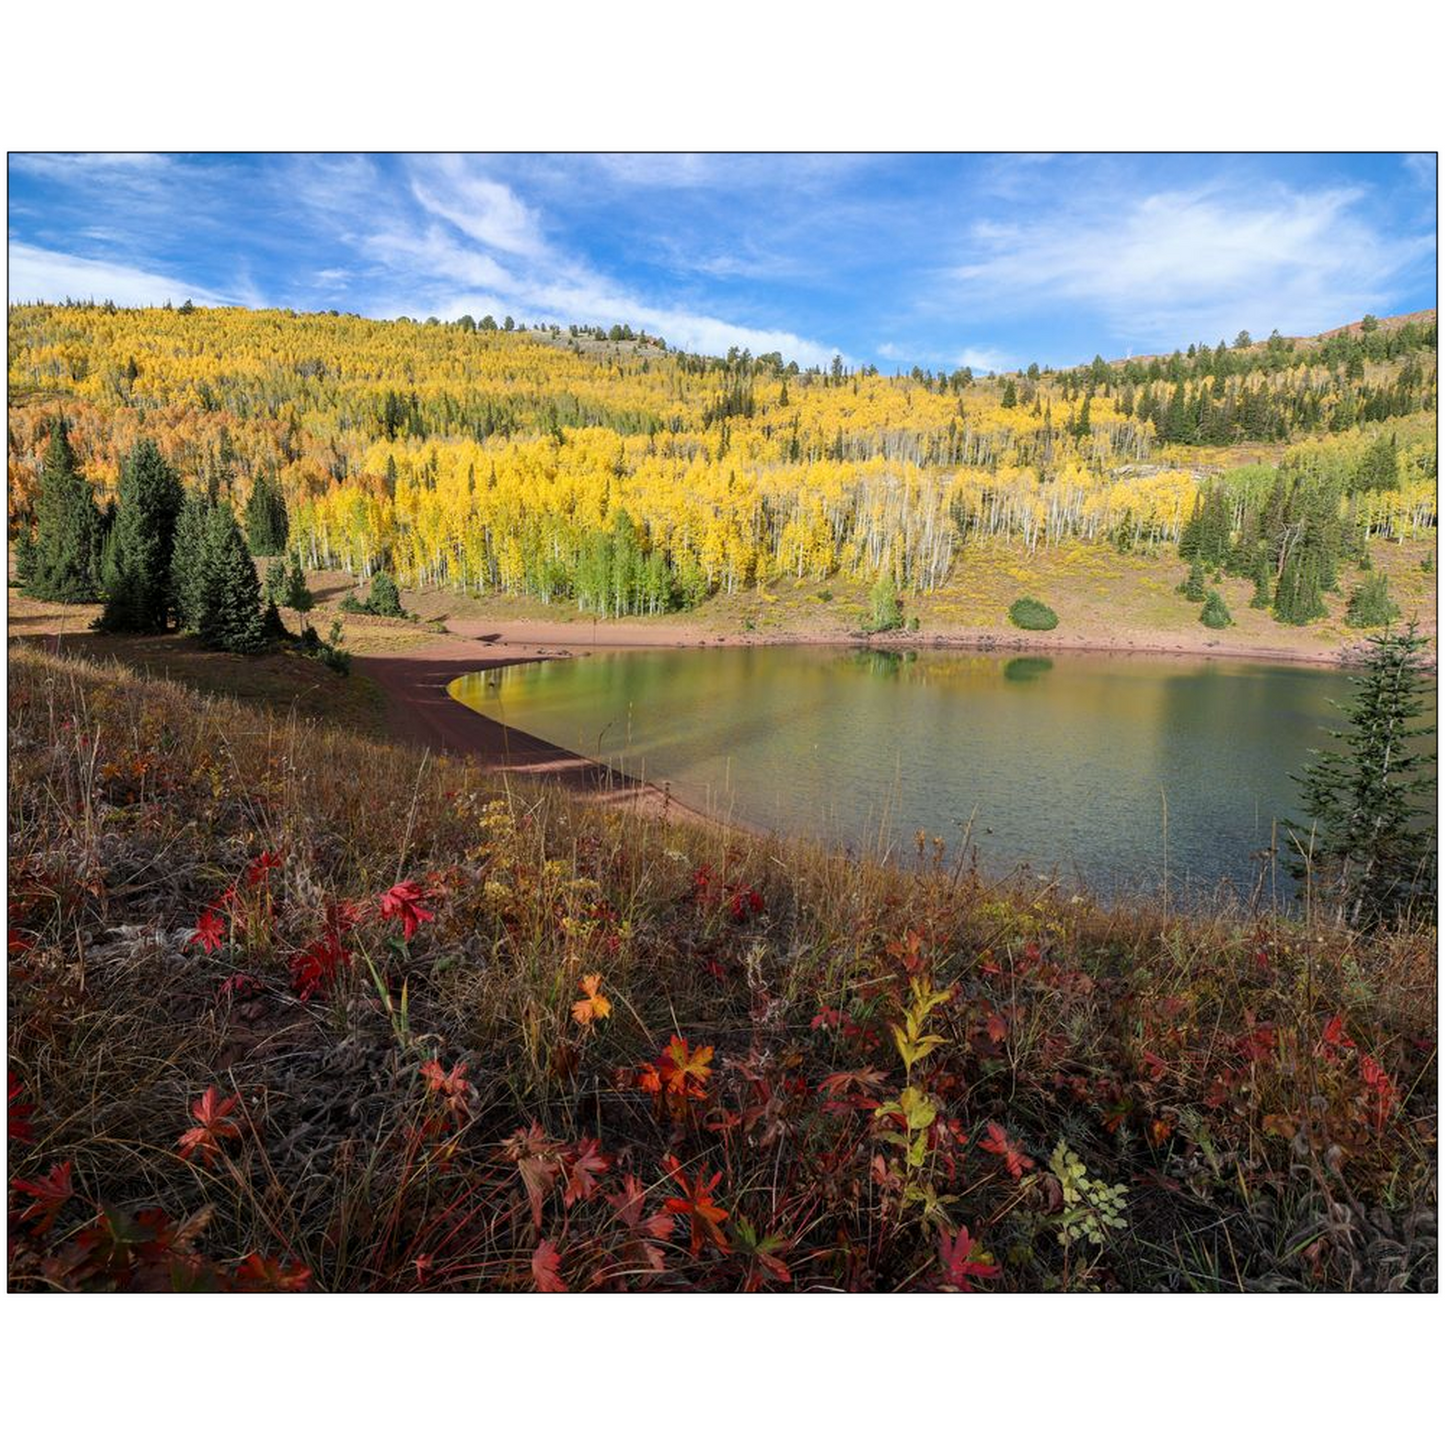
x=1215, y=613
x=267, y=524
x=1262, y=599
x=273, y=590
x=1370, y=846
x=1370, y=604
x=385, y=600
x=69, y=529
x=297, y=595
x=188, y=561
x=141, y=543
x=1193, y=585
x=230, y=617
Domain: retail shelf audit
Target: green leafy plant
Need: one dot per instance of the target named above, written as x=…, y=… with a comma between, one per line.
x=1033, y=615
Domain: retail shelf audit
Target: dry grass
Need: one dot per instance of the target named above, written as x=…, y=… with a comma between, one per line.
x=1188, y=1060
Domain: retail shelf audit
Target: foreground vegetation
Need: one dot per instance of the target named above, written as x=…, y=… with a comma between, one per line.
x=290, y=1008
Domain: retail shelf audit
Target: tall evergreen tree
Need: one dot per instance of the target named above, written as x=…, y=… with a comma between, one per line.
x=230, y=617
x=137, y=576
x=1370, y=846
x=188, y=562
x=267, y=524
x=68, y=525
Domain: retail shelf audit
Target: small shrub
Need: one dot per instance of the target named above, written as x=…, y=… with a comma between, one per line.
x=331, y=652
x=1193, y=585
x=384, y=601
x=887, y=614
x=1033, y=615
x=1370, y=604
x=1215, y=613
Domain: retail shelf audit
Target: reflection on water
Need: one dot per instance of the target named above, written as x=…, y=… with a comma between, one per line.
x=1063, y=762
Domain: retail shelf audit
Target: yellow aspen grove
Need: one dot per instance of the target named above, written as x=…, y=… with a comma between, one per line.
x=536, y=462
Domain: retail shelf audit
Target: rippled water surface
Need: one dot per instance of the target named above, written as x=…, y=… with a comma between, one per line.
x=1061, y=762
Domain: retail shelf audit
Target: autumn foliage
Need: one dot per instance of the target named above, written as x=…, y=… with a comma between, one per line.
x=564, y=1048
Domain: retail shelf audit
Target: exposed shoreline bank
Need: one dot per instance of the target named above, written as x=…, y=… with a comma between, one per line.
x=420, y=709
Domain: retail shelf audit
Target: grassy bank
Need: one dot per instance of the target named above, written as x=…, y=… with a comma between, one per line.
x=292, y=1007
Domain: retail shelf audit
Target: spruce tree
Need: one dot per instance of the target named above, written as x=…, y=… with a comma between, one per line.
x=385, y=600
x=230, y=617
x=1193, y=585
x=1370, y=604
x=267, y=524
x=1215, y=613
x=141, y=543
x=69, y=528
x=1369, y=848
x=188, y=562
x=273, y=590
x=1263, y=576
x=297, y=595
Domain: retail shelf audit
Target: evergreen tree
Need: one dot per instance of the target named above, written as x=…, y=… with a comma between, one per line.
x=1215, y=613
x=1263, y=577
x=273, y=590
x=297, y=595
x=1370, y=604
x=267, y=525
x=385, y=600
x=1193, y=585
x=188, y=561
x=141, y=543
x=230, y=616
x=1370, y=846
x=69, y=529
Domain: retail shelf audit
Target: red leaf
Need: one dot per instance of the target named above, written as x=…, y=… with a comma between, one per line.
x=998, y=1142
x=50, y=1194
x=210, y=1112
x=696, y=1201
x=545, y=1262
x=266, y=1272
x=958, y=1265
x=208, y=931
x=404, y=902
x=582, y=1169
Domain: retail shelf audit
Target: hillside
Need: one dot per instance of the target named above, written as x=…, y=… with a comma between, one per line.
x=620, y=477
x=290, y=1008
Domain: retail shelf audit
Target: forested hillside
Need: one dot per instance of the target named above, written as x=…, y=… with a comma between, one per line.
x=568, y=463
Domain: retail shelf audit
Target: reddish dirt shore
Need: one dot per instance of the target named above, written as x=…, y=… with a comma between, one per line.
x=421, y=711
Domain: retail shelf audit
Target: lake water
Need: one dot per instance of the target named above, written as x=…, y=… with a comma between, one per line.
x=1064, y=762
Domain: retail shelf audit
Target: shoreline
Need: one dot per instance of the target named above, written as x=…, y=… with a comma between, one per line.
x=420, y=710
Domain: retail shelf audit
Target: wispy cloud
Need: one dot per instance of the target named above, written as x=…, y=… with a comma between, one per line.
x=38, y=274
x=948, y=260
x=1193, y=264
x=483, y=209
x=983, y=358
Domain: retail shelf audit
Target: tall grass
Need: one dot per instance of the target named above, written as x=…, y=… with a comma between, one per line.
x=1255, y=1093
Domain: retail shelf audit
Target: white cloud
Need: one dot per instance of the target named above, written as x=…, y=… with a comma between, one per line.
x=445, y=274
x=481, y=208
x=982, y=358
x=1195, y=264
x=1422, y=166
x=40, y=275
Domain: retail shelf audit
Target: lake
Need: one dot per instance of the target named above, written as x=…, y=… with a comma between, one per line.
x=1060, y=762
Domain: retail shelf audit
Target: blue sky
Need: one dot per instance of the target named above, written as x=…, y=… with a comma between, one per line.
x=991, y=261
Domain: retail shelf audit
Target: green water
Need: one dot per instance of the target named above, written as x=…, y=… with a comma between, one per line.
x=1063, y=762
